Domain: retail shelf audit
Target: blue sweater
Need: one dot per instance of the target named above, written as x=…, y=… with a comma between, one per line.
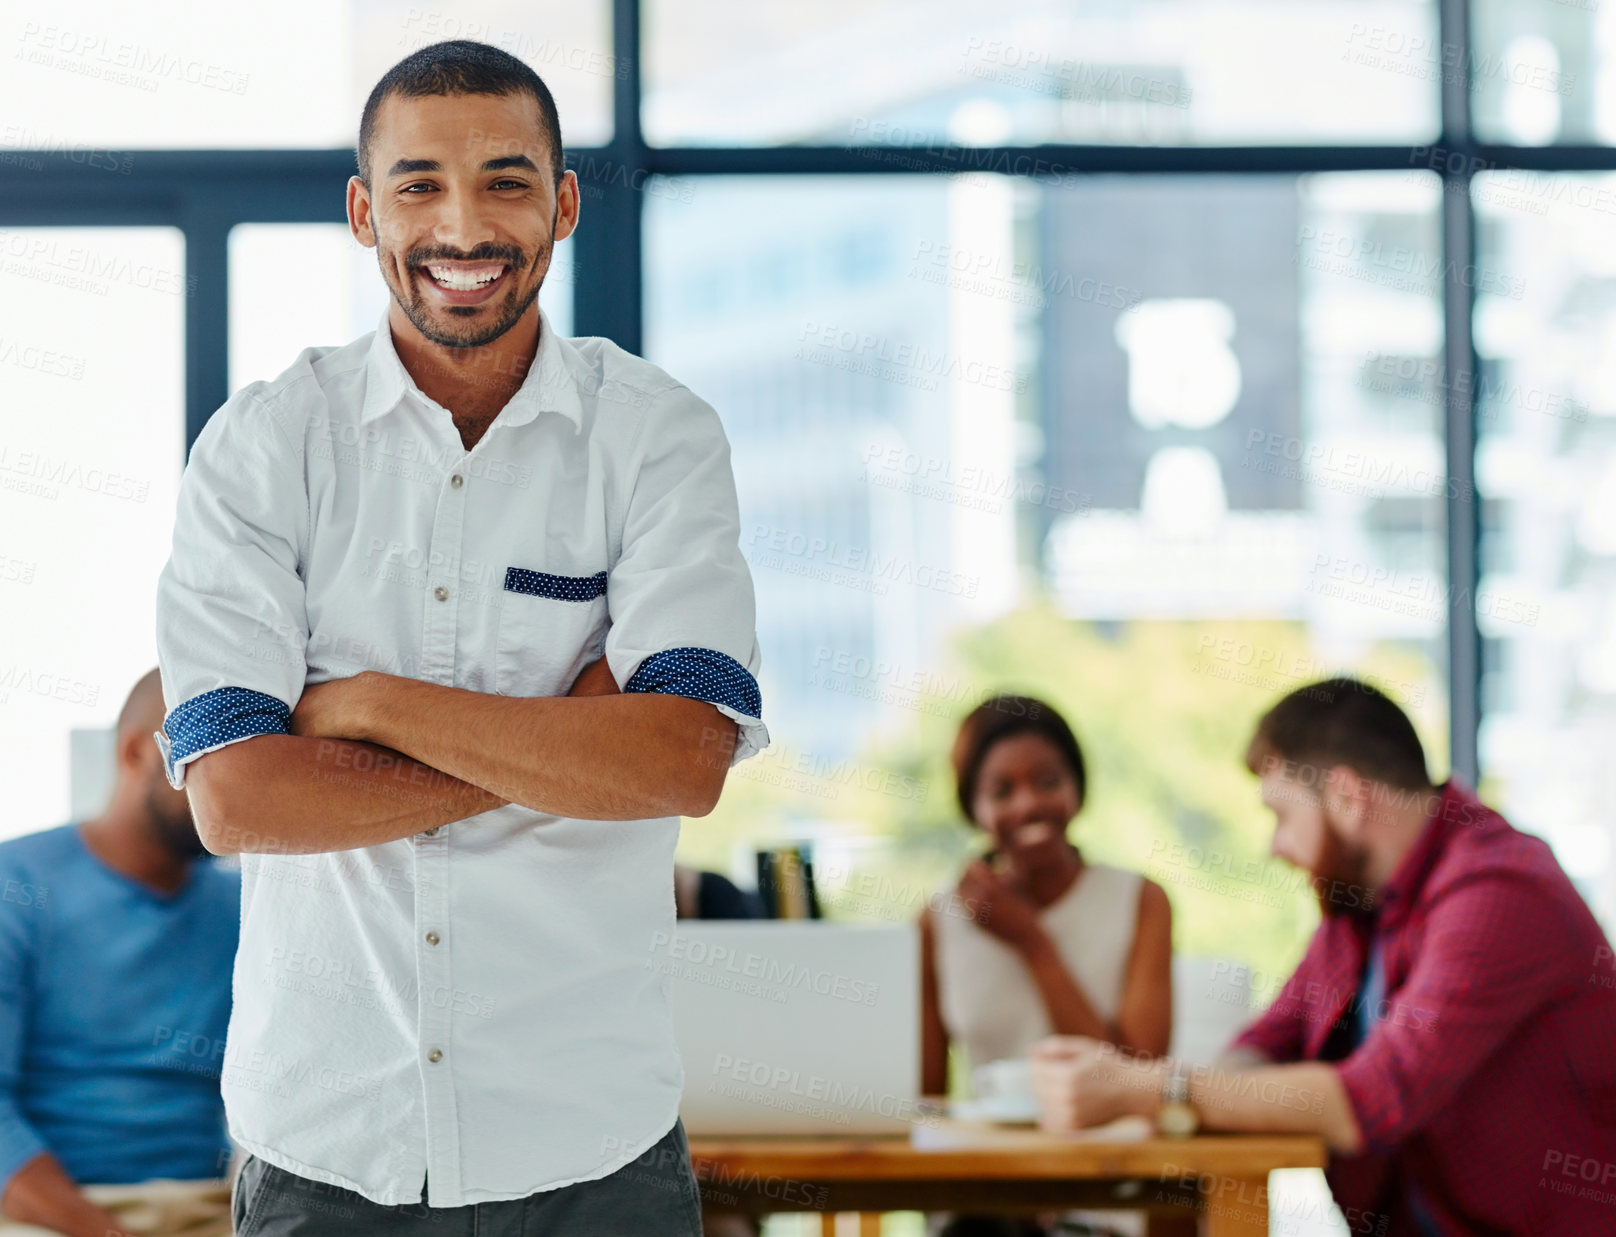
x=113, y=1006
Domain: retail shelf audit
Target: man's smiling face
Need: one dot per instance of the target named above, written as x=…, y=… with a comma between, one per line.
x=462, y=211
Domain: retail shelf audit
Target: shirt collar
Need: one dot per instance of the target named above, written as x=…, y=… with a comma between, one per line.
x=550, y=385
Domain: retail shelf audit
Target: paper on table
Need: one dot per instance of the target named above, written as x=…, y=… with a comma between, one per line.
x=949, y=1134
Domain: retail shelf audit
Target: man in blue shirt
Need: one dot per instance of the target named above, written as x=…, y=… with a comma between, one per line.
x=117, y=939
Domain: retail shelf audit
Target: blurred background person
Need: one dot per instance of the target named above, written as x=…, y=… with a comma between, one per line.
x=1448, y=1032
x=117, y=939
x=708, y=895
x=1042, y=941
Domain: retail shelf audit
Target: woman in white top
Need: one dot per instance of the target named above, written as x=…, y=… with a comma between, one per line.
x=1038, y=941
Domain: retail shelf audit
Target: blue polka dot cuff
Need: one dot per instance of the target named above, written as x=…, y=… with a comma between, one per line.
x=216, y=719
x=720, y=680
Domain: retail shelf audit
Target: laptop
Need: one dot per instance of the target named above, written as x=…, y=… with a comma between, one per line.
x=795, y=1026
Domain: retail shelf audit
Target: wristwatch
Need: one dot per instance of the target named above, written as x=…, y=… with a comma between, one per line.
x=1177, y=1118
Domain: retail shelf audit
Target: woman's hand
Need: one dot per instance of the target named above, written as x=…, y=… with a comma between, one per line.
x=999, y=909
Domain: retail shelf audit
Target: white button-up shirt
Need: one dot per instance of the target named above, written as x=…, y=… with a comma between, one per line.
x=472, y=1005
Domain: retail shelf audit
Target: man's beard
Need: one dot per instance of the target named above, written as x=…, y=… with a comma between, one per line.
x=413, y=301
x=1340, y=881
x=176, y=831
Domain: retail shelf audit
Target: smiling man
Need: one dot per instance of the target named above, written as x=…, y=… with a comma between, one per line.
x=409, y=577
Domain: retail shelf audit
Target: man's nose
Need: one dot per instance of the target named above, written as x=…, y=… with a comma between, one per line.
x=462, y=223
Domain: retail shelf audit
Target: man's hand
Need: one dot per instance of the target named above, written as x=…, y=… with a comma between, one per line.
x=41, y=1193
x=595, y=680
x=338, y=709
x=620, y=756
x=1081, y=1082
x=1000, y=909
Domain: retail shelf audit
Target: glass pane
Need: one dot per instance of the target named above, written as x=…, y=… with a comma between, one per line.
x=171, y=74
x=1546, y=472
x=272, y=319
x=1172, y=72
x=1140, y=447
x=92, y=439
x=1542, y=72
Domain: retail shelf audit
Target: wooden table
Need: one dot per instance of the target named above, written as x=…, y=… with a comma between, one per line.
x=954, y=1166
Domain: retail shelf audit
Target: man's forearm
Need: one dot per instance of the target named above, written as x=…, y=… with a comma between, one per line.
x=42, y=1193
x=1304, y=1098
x=1242, y=1058
x=609, y=757
x=286, y=794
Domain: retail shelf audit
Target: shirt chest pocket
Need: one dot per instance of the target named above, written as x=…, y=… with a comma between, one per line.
x=550, y=628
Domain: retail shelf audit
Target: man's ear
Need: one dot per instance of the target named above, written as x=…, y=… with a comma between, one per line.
x=359, y=220
x=133, y=748
x=1346, y=800
x=569, y=205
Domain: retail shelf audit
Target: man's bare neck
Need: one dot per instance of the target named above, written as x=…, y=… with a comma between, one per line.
x=1398, y=830
x=472, y=383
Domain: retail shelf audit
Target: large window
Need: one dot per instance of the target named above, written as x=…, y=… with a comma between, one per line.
x=1199, y=357
x=1546, y=470
x=102, y=74
x=734, y=72
x=1542, y=72
x=90, y=455
x=1147, y=448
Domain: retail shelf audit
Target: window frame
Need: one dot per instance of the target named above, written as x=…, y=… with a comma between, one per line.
x=205, y=193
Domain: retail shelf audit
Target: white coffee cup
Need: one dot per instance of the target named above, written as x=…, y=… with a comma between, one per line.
x=1007, y=1081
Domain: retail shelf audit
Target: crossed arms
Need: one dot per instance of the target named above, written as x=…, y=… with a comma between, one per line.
x=378, y=757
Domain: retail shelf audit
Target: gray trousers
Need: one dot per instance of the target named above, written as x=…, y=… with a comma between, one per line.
x=653, y=1196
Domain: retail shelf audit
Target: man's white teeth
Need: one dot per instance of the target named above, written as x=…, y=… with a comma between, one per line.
x=464, y=281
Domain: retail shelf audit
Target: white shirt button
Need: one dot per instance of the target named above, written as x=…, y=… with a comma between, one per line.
x=441, y=593
x=432, y=938
x=435, y=1055
x=457, y=481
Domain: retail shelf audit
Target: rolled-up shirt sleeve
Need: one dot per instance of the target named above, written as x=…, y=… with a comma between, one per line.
x=683, y=612
x=1279, y=1033
x=1495, y=951
x=232, y=620
x=19, y=1141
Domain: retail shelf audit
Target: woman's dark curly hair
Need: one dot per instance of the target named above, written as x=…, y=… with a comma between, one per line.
x=999, y=718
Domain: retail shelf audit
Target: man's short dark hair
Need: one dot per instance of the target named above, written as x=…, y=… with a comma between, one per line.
x=1341, y=722
x=460, y=66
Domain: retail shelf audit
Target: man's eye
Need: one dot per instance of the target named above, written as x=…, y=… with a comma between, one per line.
x=411, y=188
x=509, y=184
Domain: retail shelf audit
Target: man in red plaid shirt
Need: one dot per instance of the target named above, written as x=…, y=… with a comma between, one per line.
x=1451, y=1030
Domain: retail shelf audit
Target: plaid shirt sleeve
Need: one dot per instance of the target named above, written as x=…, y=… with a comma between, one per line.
x=1494, y=953
x=1279, y=1033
